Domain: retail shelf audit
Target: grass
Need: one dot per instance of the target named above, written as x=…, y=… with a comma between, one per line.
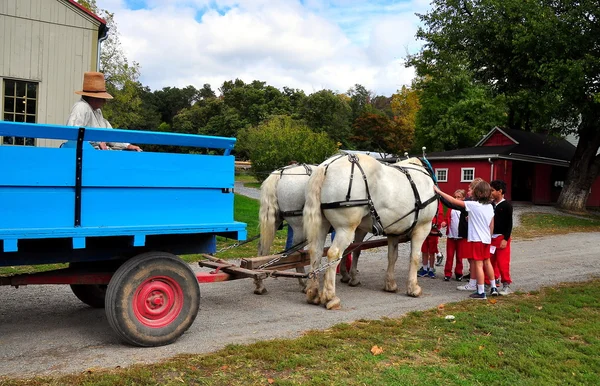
x=543, y=224
x=550, y=337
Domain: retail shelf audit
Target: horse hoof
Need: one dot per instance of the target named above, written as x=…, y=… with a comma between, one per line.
x=354, y=283
x=390, y=286
x=345, y=279
x=334, y=304
x=414, y=293
x=312, y=296
x=260, y=291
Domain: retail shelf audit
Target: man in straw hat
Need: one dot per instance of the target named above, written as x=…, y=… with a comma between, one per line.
x=87, y=111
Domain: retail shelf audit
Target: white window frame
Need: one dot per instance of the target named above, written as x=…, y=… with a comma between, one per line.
x=437, y=176
x=462, y=174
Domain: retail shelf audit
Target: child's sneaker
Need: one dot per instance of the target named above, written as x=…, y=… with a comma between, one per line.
x=467, y=287
x=421, y=272
x=431, y=274
x=476, y=295
x=446, y=278
x=505, y=290
x=498, y=282
x=459, y=277
x=494, y=292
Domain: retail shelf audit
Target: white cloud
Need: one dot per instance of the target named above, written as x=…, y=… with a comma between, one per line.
x=311, y=45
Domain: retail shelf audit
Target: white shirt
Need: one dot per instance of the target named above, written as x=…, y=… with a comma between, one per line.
x=82, y=114
x=480, y=218
x=454, y=220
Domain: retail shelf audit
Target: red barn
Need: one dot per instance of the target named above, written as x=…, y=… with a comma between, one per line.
x=534, y=166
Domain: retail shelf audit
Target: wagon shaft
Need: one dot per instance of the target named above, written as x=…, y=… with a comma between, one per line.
x=302, y=258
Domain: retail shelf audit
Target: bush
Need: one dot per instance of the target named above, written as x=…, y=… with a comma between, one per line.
x=280, y=140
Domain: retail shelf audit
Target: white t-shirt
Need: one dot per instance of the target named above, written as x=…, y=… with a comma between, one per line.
x=480, y=217
x=454, y=220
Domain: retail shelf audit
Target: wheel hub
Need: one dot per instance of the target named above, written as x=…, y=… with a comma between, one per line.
x=158, y=301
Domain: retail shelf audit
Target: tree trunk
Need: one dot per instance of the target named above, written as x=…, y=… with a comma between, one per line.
x=584, y=167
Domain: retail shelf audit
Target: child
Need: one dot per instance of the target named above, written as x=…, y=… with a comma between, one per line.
x=453, y=221
x=481, y=223
x=429, y=249
x=503, y=222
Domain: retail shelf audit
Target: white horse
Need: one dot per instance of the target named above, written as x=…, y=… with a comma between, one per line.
x=357, y=193
x=282, y=197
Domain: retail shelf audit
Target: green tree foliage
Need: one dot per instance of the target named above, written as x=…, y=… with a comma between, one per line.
x=455, y=111
x=280, y=140
x=360, y=100
x=171, y=100
x=324, y=111
x=542, y=56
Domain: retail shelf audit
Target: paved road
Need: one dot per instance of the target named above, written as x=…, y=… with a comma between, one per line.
x=45, y=330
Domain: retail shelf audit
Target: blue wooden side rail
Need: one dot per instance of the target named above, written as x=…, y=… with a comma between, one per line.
x=78, y=192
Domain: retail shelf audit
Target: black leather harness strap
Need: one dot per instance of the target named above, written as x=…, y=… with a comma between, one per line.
x=377, y=226
x=418, y=204
x=308, y=172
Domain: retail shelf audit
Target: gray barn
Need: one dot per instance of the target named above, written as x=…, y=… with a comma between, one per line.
x=45, y=47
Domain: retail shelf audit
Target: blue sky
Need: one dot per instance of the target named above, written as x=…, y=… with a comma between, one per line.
x=305, y=44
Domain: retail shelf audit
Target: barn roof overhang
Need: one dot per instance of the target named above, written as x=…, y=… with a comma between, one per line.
x=510, y=156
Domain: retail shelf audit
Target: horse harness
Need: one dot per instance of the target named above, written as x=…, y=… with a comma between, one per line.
x=308, y=170
x=378, y=228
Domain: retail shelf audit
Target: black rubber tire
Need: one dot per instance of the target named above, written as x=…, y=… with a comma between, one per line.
x=94, y=295
x=132, y=280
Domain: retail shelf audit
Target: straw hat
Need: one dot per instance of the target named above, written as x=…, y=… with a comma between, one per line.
x=94, y=86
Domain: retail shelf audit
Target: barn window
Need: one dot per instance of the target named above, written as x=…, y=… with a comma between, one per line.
x=441, y=175
x=467, y=174
x=20, y=100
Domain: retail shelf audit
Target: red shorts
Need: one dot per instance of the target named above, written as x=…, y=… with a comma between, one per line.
x=481, y=251
x=464, y=249
x=430, y=245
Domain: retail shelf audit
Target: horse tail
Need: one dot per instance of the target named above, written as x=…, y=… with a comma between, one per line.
x=312, y=208
x=268, y=213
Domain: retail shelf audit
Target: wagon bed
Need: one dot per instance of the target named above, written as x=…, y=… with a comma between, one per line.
x=119, y=219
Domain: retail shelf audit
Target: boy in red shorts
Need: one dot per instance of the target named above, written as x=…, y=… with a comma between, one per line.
x=503, y=223
x=429, y=249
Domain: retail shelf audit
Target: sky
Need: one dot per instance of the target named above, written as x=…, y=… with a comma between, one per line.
x=304, y=44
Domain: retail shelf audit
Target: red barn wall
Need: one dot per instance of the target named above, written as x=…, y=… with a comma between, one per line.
x=482, y=170
x=541, y=184
x=594, y=197
x=498, y=139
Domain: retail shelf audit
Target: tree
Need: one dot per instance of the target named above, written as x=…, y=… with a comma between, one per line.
x=404, y=106
x=542, y=56
x=171, y=100
x=324, y=111
x=455, y=111
x=360, y=98
x=280, y=140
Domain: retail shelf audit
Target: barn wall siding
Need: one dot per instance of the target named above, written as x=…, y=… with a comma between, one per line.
x=50, y=42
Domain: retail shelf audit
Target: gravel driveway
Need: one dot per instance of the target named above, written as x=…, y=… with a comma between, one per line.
x=45, y=330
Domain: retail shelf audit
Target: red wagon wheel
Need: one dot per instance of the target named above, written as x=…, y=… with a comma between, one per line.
x=152, y=299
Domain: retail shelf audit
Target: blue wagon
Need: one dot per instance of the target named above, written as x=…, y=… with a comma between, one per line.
x=119, y=219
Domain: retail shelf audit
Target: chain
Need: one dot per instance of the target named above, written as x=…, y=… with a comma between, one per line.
x=238, y=244
x=284, y=254
x=313, y=274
